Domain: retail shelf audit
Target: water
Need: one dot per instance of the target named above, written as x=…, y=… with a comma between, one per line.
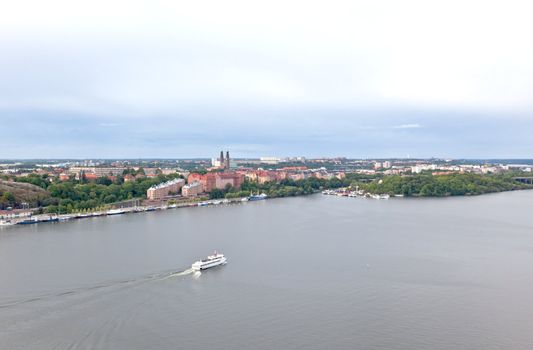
x=303, y=273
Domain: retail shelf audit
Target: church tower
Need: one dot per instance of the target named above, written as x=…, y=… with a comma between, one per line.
x=221, y=159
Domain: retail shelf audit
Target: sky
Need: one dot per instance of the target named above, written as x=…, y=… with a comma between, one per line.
x=176, y=79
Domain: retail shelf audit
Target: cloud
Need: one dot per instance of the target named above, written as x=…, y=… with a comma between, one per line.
x=279, y=77
x=408, y=126
x=163, y=56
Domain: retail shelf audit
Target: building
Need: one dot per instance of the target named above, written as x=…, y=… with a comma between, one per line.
x=228, y=179
x=15, y=214
x=164, y=189
x=168, y=171
x=270, y=160
x=90, y=176
x=129, y=178
x=222, y=162
x=220, y=181
x=98, y=171
x=192, y=189
x=152, y=172
x=227, y=163
x=297, y=176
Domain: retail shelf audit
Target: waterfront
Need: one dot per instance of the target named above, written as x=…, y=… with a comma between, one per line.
x=307, y=272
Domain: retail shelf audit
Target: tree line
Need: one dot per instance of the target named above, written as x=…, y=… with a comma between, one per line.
x=76, y=195
x=453, y=184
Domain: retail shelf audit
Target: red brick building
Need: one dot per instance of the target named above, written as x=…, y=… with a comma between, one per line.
x=211, y=181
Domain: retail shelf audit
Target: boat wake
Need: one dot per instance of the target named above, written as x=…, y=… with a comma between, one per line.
x=178, y=274
x=118, y=283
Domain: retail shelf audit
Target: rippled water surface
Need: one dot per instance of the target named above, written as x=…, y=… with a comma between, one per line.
x=303, y=273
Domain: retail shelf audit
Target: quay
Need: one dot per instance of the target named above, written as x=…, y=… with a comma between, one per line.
x=43, y=218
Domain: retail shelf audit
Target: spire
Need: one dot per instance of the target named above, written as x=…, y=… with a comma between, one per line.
x=221, y=158
x=227, y=160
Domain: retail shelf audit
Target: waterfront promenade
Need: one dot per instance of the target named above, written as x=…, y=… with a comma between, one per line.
x=46, y=218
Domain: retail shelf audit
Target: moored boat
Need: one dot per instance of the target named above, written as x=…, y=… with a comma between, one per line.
x=115, y=211
x=257, y=197
x=28, y=221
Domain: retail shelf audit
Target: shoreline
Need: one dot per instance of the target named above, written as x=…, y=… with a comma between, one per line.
x=49, y=218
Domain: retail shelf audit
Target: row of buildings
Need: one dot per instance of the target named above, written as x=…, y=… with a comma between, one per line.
x=165, y=189
x=196, y=184
x=204, y=183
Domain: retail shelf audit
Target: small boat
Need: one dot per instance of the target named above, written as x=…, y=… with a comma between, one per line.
x=28, y=221
x=211, y=261
x=380, y=196
x=5, y=223
x=115, y=212
x=257, y=197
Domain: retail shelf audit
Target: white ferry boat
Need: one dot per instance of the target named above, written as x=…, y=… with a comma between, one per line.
x=211, y=261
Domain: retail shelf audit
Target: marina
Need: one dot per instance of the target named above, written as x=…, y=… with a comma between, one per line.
x=344, y=192
x=49, y=218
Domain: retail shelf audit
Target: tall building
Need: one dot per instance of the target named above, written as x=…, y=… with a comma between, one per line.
x=221, y=162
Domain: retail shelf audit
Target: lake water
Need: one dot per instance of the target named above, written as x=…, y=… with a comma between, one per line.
x=310, y=272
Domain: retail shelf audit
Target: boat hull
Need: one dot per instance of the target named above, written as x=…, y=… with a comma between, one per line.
x=28, y=222
x=204, y=266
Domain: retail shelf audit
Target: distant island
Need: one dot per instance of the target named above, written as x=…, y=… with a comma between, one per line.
x=70, y=187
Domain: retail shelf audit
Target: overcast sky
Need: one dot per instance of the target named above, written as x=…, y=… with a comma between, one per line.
x=186, y=79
